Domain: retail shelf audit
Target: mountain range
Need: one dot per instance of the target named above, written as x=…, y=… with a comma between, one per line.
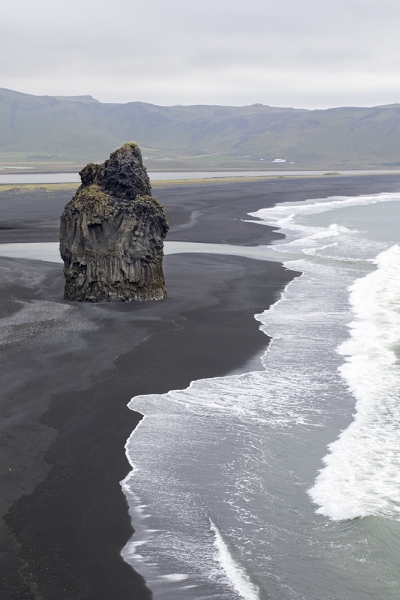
x=53, y=132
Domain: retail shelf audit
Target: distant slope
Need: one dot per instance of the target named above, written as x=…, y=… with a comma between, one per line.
x=46, y=128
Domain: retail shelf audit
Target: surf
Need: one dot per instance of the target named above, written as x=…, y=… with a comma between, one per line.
x=362, y=472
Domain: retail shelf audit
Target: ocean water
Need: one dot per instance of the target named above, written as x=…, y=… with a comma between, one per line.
x=284, y=483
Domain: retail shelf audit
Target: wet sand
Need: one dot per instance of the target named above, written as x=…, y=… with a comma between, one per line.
x=68, y=372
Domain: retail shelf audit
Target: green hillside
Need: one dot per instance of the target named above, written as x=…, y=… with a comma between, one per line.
x=61, y=132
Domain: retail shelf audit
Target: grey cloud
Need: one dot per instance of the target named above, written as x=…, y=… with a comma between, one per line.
x=316, y=53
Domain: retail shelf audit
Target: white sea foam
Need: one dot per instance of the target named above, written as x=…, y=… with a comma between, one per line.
x=175, y=577
x=330, y=242
x=238, y=577
x=283, y=215
x=209, y=444
x=245, y=448
x=362, y=473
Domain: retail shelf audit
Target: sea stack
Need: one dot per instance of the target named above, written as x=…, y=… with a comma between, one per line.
x=112, y=232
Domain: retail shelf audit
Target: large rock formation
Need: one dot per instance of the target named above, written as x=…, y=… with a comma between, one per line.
x=112, y=231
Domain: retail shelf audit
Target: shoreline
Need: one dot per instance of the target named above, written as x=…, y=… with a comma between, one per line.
x=88, y=455
x=205, y=328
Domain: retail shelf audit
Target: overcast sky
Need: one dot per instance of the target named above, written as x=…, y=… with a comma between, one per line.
x=309, y=53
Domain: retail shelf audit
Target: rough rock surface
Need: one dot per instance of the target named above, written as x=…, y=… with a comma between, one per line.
x=112, y=232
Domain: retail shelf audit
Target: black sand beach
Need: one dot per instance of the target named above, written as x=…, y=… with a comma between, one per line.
x=68, y=372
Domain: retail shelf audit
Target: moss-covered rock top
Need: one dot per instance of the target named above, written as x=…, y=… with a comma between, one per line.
x=122, y=175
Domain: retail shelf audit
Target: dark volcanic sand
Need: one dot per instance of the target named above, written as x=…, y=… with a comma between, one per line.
x=84, y=362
